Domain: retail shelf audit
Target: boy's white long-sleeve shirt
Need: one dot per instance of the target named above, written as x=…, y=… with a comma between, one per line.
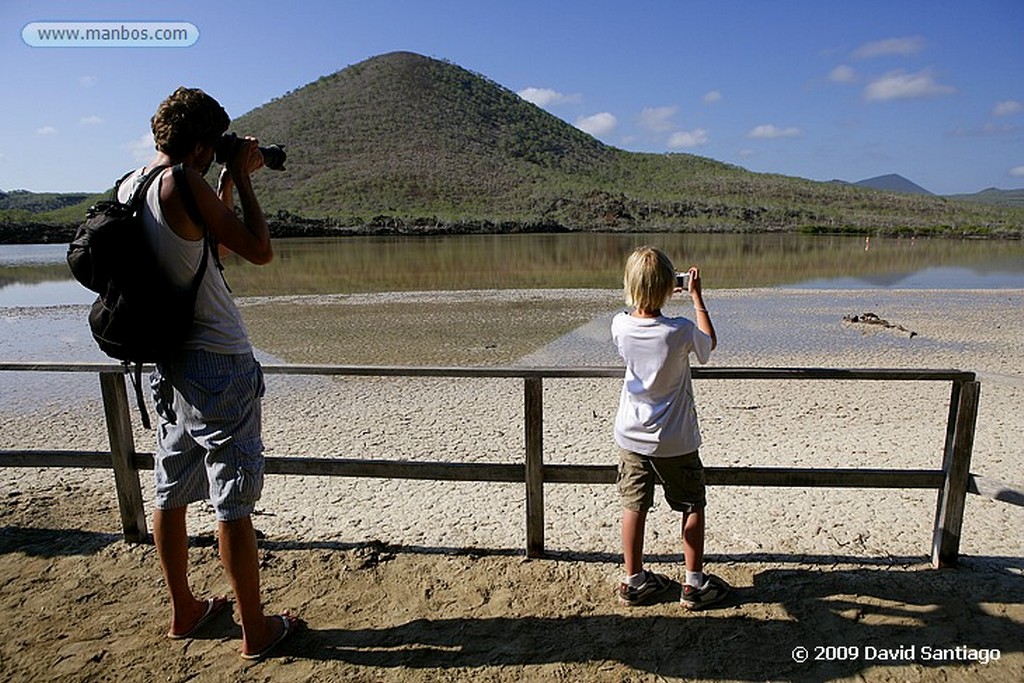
x=657, y=415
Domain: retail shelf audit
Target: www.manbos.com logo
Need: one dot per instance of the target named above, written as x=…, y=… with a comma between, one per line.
x=110, y=34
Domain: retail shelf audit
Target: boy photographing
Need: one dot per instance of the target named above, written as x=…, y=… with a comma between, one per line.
x=656, y=424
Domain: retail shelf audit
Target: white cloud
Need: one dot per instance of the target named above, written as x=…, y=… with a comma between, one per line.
x=899, y=85
x=1017, y=171
x=768, y=131
x=544, y=97
x=46, y=130
x=142, y=149
x=683, y=139
x=90, y=121
x=842, y=74
x=87, y=81
x=597, y=124
x=910, y=45
x=712, y=96
x=658, y=119
x=1007, y=107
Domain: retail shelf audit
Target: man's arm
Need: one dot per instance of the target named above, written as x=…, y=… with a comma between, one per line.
x=249, y=237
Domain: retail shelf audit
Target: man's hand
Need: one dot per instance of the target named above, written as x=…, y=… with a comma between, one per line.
x=250, y=236
x=246, y=160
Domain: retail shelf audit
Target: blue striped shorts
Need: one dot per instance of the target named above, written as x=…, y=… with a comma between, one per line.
x=209, y=443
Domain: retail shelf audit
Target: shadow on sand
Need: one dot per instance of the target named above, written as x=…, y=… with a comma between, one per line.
x=845, y=621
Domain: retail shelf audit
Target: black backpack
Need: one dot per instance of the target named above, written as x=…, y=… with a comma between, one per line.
x=139, y=316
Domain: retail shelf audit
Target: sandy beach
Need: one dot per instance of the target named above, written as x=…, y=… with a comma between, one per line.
x=409, y=580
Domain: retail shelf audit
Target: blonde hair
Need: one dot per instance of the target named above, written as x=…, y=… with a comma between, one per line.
x=649, y=279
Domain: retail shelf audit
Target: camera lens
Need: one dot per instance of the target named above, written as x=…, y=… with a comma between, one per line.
x=227, y=147
x=274, y=157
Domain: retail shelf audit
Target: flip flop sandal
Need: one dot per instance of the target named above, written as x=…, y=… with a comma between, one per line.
x=214, y=606
x=291, y=625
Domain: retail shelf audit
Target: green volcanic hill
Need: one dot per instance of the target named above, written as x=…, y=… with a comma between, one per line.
x=405, y=143
x=405, y=135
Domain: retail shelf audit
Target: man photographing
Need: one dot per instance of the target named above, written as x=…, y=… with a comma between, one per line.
x=208, y=395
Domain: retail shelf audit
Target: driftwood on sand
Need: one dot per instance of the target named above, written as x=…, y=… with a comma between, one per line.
x=873, y=321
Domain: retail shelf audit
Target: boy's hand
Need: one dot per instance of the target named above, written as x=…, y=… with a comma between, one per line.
x=703, y=317
x=695, y=290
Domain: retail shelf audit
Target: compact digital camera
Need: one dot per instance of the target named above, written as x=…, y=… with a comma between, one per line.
x=683, y=280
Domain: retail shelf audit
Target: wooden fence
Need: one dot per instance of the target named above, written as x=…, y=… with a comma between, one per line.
x=952, y=480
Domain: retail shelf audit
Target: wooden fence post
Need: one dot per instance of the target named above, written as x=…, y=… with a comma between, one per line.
x=534, y=414
x=956, y=467
x=122, y=456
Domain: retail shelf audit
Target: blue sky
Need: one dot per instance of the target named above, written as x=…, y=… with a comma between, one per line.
x=932, y=90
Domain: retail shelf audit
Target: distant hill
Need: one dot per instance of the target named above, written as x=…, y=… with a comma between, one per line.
x=38, y=202
x=892, y=183
x=994, y=197
x=403, y=143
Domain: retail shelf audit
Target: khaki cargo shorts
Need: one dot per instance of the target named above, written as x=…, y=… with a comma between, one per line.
x=681, y=476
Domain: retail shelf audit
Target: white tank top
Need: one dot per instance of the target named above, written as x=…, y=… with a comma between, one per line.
x=218, y=326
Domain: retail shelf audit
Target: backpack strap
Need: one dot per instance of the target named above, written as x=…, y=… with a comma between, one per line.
x=136, y=377
x=138, y=195
x=192, y=209
x=117, y=185
x=187, y=197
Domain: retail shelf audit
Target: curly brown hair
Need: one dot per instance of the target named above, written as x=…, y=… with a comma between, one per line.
x=189, y=116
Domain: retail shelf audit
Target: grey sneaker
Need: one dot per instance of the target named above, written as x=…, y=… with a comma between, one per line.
x=713, y=590
x=653, y=586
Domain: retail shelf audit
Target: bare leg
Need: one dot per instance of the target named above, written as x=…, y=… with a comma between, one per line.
x=633, y=525
x=693, y=540
x=171, y=538
x=240, y=556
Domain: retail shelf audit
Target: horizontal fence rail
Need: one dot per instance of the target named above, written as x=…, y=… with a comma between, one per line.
x=952, y=479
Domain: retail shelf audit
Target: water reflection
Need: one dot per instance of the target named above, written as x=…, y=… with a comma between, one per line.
x=929, y=278
x=34, y=275
x=590, y=260
x=53, y=293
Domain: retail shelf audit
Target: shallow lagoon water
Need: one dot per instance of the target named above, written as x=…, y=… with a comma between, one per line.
x=43, y=312
x=749, y=323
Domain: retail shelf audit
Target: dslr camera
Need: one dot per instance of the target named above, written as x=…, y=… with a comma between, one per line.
x=229, y=143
